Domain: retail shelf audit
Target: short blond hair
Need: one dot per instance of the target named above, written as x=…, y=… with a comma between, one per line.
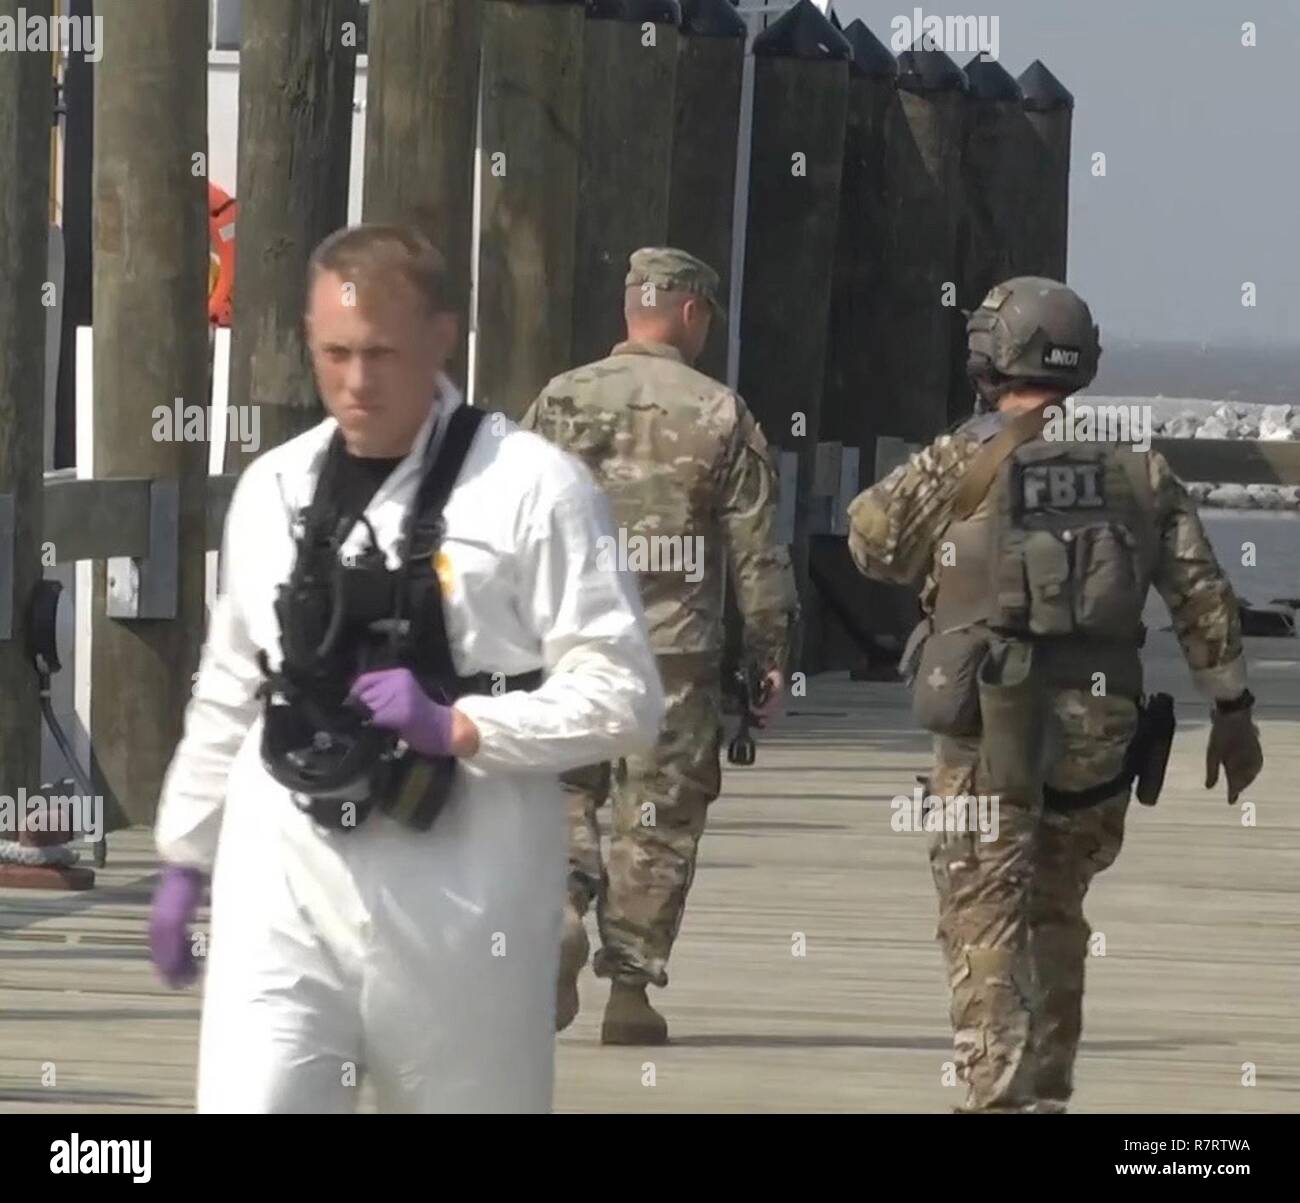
x=369, y=255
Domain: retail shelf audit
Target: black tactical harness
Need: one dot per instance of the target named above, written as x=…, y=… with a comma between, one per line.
x=338, y=620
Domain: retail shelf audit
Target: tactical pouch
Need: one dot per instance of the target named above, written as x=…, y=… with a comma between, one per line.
x=1012, y=705
x=945, y=689
x=1109, y=598
x=420, y=791
x=910, y=660
x=1047, y=572
x=416, y=788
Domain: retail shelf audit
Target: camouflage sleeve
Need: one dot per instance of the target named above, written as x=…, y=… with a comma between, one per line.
x=760, y=566
x=894, y=525
x=1200, y=598
x=532, y=419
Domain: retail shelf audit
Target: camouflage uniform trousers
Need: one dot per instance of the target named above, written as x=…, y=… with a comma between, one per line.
x=659, y=805
x=1011, y=921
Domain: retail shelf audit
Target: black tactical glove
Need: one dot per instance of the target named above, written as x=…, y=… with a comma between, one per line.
x=1234, y=745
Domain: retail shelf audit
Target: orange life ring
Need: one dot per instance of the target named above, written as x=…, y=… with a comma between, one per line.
x=222, y=214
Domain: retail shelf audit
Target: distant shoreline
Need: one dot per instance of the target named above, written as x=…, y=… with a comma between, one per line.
x=1250, y=374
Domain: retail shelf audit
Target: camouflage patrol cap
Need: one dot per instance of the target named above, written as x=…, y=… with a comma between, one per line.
x=677, y=270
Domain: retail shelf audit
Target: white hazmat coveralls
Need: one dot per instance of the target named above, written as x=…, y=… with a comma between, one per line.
x=426, y=960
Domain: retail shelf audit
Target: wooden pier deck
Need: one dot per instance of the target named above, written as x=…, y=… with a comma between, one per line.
x=1199, y=982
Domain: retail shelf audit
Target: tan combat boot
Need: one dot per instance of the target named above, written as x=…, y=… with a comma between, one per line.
x=630, y=1019
x=574, y=947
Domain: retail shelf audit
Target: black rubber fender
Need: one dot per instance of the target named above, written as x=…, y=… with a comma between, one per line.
x=42, y=626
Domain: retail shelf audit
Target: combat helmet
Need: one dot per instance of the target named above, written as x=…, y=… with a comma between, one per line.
x=1031, y=330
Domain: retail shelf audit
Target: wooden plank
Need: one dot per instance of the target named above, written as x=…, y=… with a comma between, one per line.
x=90, y=519
x=95, y=519
x=1233, y=461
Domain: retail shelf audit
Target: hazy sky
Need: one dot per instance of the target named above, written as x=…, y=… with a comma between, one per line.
x=1202, y=184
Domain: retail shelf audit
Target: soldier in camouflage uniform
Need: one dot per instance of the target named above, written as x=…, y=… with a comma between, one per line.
x=1021, y=628
x=687, y=471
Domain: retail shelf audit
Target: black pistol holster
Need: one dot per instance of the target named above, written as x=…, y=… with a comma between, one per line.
x=1155, y=741
x=338, y=620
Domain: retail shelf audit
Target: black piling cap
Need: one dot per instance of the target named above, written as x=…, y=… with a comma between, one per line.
x=870, y=55
x=802, y=32
x=712, y=19
x=1043, y=91
x=835, y=20
x=930, y=71
x=658, y=12
x=990, y=80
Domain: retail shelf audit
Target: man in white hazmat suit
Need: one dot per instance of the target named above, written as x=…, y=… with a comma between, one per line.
x=347, y=938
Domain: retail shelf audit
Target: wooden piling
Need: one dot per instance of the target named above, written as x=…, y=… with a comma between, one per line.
x=421, y=106
x=854, y=394
x=1049, y=110
x=923, y=170
x=629, y=69
x=26, y=106
x=801, y=86
x=706, y=128
x=532, y=76
x=995, y=196
x=78, y=140
x=296, y=81
x=995, y=186
x=151, y=347
x=853, y=390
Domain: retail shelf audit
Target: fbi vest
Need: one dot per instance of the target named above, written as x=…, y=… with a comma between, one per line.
x=1061, y=551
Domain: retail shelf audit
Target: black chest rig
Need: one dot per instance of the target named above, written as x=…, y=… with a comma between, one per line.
x=340, y=619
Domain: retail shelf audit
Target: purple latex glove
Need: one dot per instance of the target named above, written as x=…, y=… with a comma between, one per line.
x=397, y=703
x=174, y=905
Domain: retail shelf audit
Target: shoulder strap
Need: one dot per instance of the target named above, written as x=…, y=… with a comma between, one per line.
x=429, y=645
x=1136, y=468
x=984, y=467
x=440, y=476
x=320, y=515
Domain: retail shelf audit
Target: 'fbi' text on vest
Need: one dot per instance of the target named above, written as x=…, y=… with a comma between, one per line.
x=1062, y=486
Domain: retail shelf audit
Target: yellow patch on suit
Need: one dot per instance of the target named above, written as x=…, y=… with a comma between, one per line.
x=442, y=567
